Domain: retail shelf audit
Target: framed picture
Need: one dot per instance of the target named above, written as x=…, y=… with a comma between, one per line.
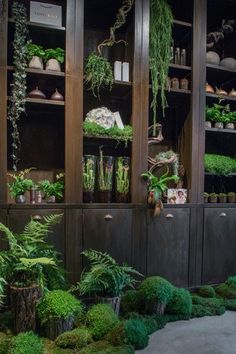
x=48, y=14
x=177, y=196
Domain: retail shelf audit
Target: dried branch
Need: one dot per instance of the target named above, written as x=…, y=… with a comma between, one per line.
x=215, y=37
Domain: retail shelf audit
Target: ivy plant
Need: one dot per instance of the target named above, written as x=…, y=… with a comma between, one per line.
x=18, y=86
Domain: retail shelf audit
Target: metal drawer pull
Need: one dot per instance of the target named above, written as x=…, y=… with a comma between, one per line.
x=37, y=218
x=108, y=217
x=222, y=215
x=169, y=216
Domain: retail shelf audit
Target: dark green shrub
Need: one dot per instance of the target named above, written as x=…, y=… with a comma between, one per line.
x=103, y=347
x=77, y=338
x=58, y=304
x=231, y=281
x=156, y=290
x=226, y=291
x=26, y=343
x=136, y=333
x=206, y=291
x=212, y=306
x=101, y=319
x=181, y=303
x=200, y=311
x=116, y=336
x=230, y=304
x=131, y=301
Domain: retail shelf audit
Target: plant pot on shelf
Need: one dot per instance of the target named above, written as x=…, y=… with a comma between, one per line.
x=88, y=196
x=122, y=179
x=104, y=196
x=231, y=197
x=229, y=126
x=122, y=197
x=206, y=197
x=208, y=124
x=36, y=63
x=53, y=65
x=219, y=125
x=105, y=178
x=89, y=172
x=213, y=198
x=56, y=326
x=23, y=307
x=20, y=199
x=51, y=199
x=222, y=198
x=114, y=302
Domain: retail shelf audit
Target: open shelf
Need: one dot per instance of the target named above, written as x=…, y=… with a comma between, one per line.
x=40, y=72
x=233, y=174
x=220, y=73
x=217, y=97
x=182, y=23
x=41, y=25
x=180, y=67
x=45, y=101
x=221, y=131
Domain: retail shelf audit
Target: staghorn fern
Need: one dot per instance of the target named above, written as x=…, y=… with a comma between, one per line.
x=106, y=276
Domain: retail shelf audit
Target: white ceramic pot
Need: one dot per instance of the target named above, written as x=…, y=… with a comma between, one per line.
x=219, y=125
x=229, y=126
x=208, y=124
x=36, y=63
x=53, y=65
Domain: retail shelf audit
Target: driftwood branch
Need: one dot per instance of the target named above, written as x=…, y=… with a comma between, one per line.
x=215, y=37
x=120, y=21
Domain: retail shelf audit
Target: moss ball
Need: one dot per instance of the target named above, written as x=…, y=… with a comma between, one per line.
x=136, y=333
x=231, y=281
x=181, y=303
x=210, y=306
x=101, y=319
x=75, y=339
x=226, y=291
x=206, y=291
x=103, y=347
x=131, y=302
x=26, y=343
x=58, y=304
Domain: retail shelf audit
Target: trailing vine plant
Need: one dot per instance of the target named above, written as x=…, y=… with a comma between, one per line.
x=18, y=86
x=98, y=70
x=161, y=20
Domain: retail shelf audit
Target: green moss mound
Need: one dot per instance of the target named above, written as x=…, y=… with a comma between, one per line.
x=181, y=303
x=58, y=304
x=226, y=291
x=200, y=311
x=207, y=306
x=131, y=302
x=103, y=347
x=116, y=336
x=136, y=333
x=207, y=291
x=75, y=339
x=231, y=281
x=5, y=342
x=230, y=304
x=156, y=290
x=151, y=322
x=101, y=319
x=26, y=343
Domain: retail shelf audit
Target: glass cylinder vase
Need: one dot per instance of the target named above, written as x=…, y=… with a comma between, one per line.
x=122, y=179
x=89, y=173
x=105, y=178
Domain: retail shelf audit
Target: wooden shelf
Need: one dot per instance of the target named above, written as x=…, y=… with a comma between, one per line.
x=219, y=68
x=176, y=91
x=40, y=72
x=233, y=174
x=217, y=130
x=41, y=25
x=218, y=75
x=45, y=101
x=217, y=97
x=180, y=67
x=88, y=136
x=183, y=23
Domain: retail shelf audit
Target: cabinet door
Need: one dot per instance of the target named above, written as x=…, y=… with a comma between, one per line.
x=18, y=219
x=168, y=245
x=109, y=231
x=219, y=258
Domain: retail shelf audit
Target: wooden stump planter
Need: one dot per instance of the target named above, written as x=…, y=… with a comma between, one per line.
x=155, y=308
x=23, y=307
x=56, y=326
x=113, y=301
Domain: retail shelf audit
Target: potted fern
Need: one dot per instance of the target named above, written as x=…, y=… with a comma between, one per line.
x=25, y=269
x=52, y=190
x=231, y=197
x=20, y=185
x=54, y=58
x=106, y=279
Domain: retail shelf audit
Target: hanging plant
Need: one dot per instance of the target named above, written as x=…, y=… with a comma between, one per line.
x=161, y=20
x=98, y=70
x=18, y=86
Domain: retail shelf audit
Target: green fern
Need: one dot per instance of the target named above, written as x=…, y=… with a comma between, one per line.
x=106, y=276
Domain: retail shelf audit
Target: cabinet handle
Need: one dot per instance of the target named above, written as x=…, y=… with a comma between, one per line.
x=37, y=218
x=222, y=215
x=108, y=217
x=169, y=216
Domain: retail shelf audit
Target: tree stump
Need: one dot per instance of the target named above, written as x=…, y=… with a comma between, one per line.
x=56, y=326
x=23, y=307
x=113, y=301
x=154, y=307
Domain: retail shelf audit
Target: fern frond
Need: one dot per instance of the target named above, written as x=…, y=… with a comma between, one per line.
x=31, y=262
x=98, y=257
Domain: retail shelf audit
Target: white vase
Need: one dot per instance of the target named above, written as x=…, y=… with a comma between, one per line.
x=53, y=65
x=36, y=63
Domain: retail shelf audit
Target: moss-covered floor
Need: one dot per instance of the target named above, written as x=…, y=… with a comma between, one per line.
x=206, y=335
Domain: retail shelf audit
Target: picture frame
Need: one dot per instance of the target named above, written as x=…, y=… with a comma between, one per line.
x=177, y=196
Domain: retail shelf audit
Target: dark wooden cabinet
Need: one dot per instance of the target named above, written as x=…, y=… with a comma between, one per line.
x=18, y=218
x=168, y=245
x=219, y=244
x=109, y=230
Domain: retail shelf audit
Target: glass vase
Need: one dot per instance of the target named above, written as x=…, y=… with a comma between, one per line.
x=122, y=179
x=89, y=173
x=105, y=178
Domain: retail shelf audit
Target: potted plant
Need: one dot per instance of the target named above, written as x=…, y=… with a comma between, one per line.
x=89, y=170
x=105, y=177
x=54, y=58
x=24, y=266
x=35, y=54
x=52, y=190
x=56, y=312
x=106, y=279
x=213, y=197
x=122, y=179
x=222, y=198
x=230, y=120
x=156, y=187
x=206, y=197
x=19, y=185
x=231, y=197
x=217, y=114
